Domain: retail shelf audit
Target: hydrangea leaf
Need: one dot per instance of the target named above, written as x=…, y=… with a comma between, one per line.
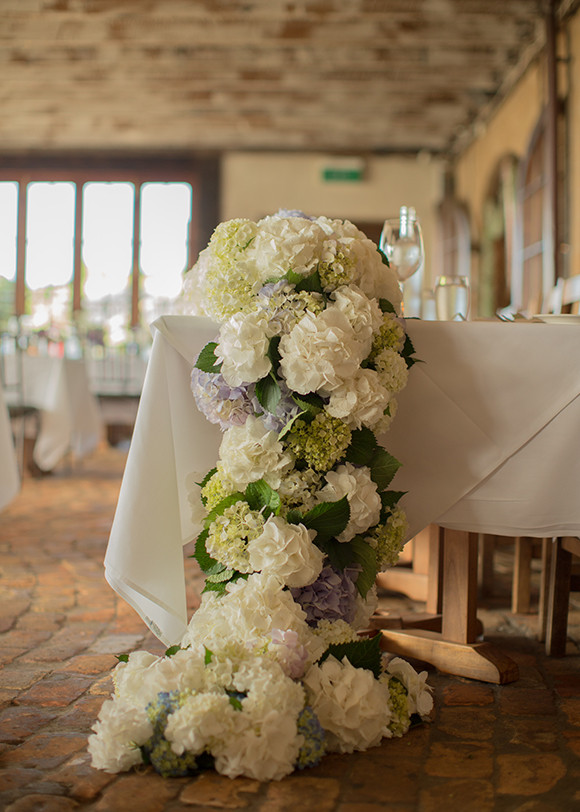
x=274, y=352
x=389, y=499
x=288, y=427
x=122, y=658
x=206, y=563
x=363, y=445
x=206, y=360
x=220, y=587
x=218, y=577
x=366, y=556
x=260, y=495
x=294, y=516
x=339, y=554
x=383, y=468
x=363, y=653
x=172, y=650
x=208, y=655
x=224, y=503
x=204, y=482
x=328, y=518
x=384, y=258
x=311, y=404
x=310, y=283
x=386, y=306
x=268, y=393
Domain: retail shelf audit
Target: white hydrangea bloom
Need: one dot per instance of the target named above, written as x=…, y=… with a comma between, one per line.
x=140, y=679
x=365, y=503
x=286, y=550
x=320, y=353
x=335, y=631
x=120, y=730
x=373, y=276
x=352, y=706
x=363, y=313
x=242, y=348
x=202, y=722
x=365, y=608
x=419, y=693
x=361, y=401
x=287, y=243
x=251, y=452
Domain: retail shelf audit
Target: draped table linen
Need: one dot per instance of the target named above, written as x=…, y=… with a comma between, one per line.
x=487, y=433
x=70, y=416
x=9, y=476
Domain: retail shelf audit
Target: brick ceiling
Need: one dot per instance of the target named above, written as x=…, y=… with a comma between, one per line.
x=334, y=75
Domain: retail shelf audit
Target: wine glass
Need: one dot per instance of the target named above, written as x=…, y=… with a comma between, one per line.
x=402, y=243
x=452, y=298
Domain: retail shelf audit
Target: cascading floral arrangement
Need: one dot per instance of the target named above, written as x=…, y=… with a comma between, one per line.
x=297, y=517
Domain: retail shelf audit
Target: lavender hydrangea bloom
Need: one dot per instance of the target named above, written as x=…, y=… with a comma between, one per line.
x=220, y=403
x=331, y=597
x=286, y=409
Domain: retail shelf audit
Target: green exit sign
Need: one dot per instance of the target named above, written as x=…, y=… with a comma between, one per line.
x=347, y=172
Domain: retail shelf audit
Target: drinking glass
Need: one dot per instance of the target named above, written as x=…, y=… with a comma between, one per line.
x=402, y=243
x=452, y=298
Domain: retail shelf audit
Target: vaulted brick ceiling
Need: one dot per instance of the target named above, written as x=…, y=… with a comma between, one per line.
x=177, y=75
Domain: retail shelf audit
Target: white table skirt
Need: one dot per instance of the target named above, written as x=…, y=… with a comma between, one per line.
x=70, y=417
x=487, y=433
x=9, y=476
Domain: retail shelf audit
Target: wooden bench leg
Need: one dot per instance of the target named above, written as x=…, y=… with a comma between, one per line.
x=558, y=600
x=522, y=575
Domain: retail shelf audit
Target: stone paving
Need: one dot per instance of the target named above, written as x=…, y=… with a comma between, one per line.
x=512, y=748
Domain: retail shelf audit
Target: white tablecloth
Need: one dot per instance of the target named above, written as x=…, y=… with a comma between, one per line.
x=70, y=417
x=487, y=432
x=9, y=477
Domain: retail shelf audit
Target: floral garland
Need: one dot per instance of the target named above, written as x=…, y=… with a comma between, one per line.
x=297, y=517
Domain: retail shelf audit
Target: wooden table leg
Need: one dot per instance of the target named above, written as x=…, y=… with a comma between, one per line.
x=454, y=650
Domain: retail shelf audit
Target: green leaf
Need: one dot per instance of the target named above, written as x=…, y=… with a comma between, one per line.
x=384, y=258
x=260, y=495
x=208, y=656
x=235, y=702
x=363, y=653
x=224, y=503
x=268, y=393
x=311, y=403
x=408, y=351
x=207, y=564
x=204, y=482
x=172, y=650
x=274, y=353
x=294, y=516
x=362, y=446
x=211, y=587
x=366, y=556
x=389, y=499
x=309, y=283
x=383, y=468
x=123, y=658
x=218, y=577
x=288, y=427
x=328, y=518
x=386, y=306
x=206, y=360
x=339, y=554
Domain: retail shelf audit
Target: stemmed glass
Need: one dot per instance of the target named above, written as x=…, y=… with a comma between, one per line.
x=402, y=243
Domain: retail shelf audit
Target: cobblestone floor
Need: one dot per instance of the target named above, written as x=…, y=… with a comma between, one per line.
x=507, y=748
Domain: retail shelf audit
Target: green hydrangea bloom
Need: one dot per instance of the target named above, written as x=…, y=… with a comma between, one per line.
x=320, y=443
x=388, y=539
x=400, y=720
x=157, y=749
x=390, y=336
x=214, y=490
x=339, y=271
x=230, y=533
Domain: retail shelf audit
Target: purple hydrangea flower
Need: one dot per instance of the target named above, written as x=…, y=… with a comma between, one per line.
x=331, y=597
x=220, y=403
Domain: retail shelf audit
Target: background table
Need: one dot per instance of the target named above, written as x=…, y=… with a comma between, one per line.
x=487, y=432
x=9, y=477
x=70, y=417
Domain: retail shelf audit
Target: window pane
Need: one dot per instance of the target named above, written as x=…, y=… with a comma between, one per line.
x=107, y=238
x=8, y=235
x=49, y=261
x=50, y=228
x=8, y=229
x=107, y=254
x=165, y=218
